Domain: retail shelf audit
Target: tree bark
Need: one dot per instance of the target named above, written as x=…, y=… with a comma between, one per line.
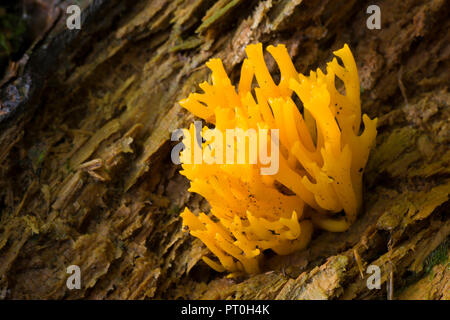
x=85, y=171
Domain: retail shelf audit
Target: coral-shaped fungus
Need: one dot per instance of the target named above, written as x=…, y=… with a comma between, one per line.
x=322, y=154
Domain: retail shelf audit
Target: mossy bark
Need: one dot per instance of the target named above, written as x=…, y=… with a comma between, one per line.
x=85, y=171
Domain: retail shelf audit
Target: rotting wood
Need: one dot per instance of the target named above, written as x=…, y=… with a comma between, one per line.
x=111, y=94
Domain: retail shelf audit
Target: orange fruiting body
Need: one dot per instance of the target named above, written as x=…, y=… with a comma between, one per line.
x=322, y=154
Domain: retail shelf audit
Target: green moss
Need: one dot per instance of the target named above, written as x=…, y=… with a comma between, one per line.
x=174, y=210
x=189, y=43
x=395, y=144
x=438, y=256
x=13, y=35
x=217, y=14
x=68, y=167
x=12, y=32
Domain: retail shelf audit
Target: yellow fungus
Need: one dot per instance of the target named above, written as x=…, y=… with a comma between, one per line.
x=322, y=154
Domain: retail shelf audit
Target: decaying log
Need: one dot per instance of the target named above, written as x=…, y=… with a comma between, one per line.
x=85, y=171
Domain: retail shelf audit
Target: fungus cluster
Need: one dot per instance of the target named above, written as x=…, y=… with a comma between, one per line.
x=322, y=153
